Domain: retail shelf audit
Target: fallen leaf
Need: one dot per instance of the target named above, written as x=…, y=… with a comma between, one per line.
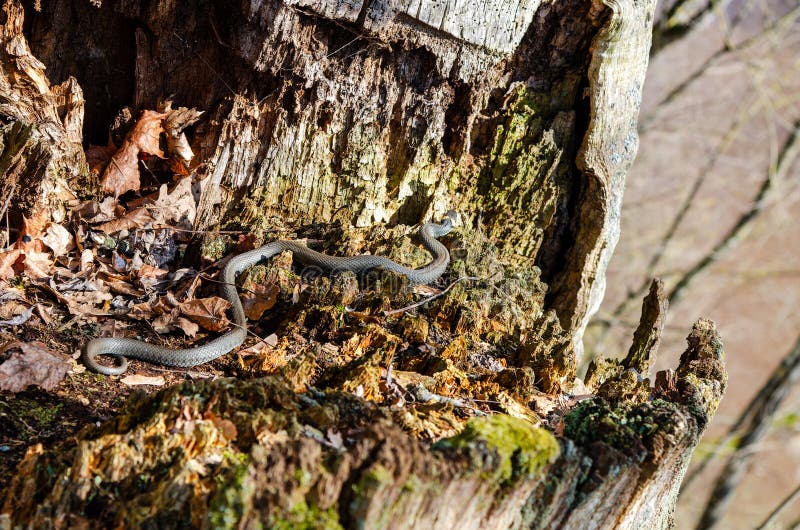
x=58, y=239
x=138, y=218
x=30, y=235
x=87, y=257
x=122, y=173
x=138, y=379
x=258, y=299
x=148, y=271
x=8, y=262
x=125, y=288
x=34, y=364
x=176, y=207
x=38, y=265
x=187, y=326
x=177, y=120
x=19, y=319
x=208, y=312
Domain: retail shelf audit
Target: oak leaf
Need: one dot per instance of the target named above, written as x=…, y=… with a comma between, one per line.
x=33, y=364
x=208, y=312
x=122, y=173
x=58, y=239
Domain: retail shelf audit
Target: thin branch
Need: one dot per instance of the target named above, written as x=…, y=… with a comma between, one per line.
x=793, y=496
x=637, y=294
x=761, y=411
x=786, y=158
x=784, y=22
x=430, y=298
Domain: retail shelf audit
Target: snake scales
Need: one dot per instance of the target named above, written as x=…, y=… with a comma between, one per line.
x=122, y=348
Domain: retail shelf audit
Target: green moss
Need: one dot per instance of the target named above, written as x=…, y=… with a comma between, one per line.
x=523, y=448
x=42, y=415
x=710, y=395
x=305, y=517
x=624, y=427
x=233, y=491
x=214, y=247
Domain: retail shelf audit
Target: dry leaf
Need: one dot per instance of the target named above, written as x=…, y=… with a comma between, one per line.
x=122, y=173
x=177, y=207
x=208, y=312
x=18, y=319
x=38, y=265
x=58, y=239
x=148, y=271
x=177, y=120
x=137, y=218
x=30, y=236
x=187, y=326
x=8, y=263
x=87, y=257
x=35, y=364
x=98, y=156
x=258, y=299
x=138, y=379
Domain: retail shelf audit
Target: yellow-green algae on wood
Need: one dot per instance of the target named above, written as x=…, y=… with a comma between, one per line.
x=521, y=446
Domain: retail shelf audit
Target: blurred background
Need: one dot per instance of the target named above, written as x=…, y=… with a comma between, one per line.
x=712, y=207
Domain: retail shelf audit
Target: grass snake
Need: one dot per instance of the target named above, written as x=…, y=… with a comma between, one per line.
x=122, y=348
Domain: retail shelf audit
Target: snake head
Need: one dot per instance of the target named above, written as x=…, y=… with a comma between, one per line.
x=451, y=219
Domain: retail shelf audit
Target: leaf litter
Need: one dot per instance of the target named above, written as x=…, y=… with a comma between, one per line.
x=109, y=257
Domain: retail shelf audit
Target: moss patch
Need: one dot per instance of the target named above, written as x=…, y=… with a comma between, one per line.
x=522, y=448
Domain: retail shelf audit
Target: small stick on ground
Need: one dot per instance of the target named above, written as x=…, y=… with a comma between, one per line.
x=430, y=298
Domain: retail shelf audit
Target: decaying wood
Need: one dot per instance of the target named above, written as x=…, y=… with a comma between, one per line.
x=230, y=453
x=343, y=120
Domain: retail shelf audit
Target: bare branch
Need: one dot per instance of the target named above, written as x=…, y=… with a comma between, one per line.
x=785, y=160
x=760, y=412
x=793, y=496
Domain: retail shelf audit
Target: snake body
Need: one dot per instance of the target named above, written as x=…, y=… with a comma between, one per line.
x=122, y=348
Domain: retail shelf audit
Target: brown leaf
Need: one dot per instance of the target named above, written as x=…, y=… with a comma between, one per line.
x=35, y=364
x=141, y=311
x=125, y=288
x=122, y=172
x=134, y=219
x=148, y=271
x=187, y=326
x=208, y=312
x=178, y=206
x=138, y=379
x=98, y=156
x=58, y=239
x=38, y=265
x=258, y=299
x=8, y=263
x=30, y=236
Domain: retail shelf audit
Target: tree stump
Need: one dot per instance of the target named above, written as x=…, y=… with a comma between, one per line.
x=354, y=121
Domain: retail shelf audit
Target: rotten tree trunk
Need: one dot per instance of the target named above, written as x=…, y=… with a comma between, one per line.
x=521, y=115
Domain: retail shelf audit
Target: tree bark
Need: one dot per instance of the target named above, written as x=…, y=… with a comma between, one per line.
x=359, y=115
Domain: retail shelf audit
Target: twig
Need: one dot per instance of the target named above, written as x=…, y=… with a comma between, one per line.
x=785, y=160
x=781, y=23
x=762, y=410
x=793, y=496
x=425, y=301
